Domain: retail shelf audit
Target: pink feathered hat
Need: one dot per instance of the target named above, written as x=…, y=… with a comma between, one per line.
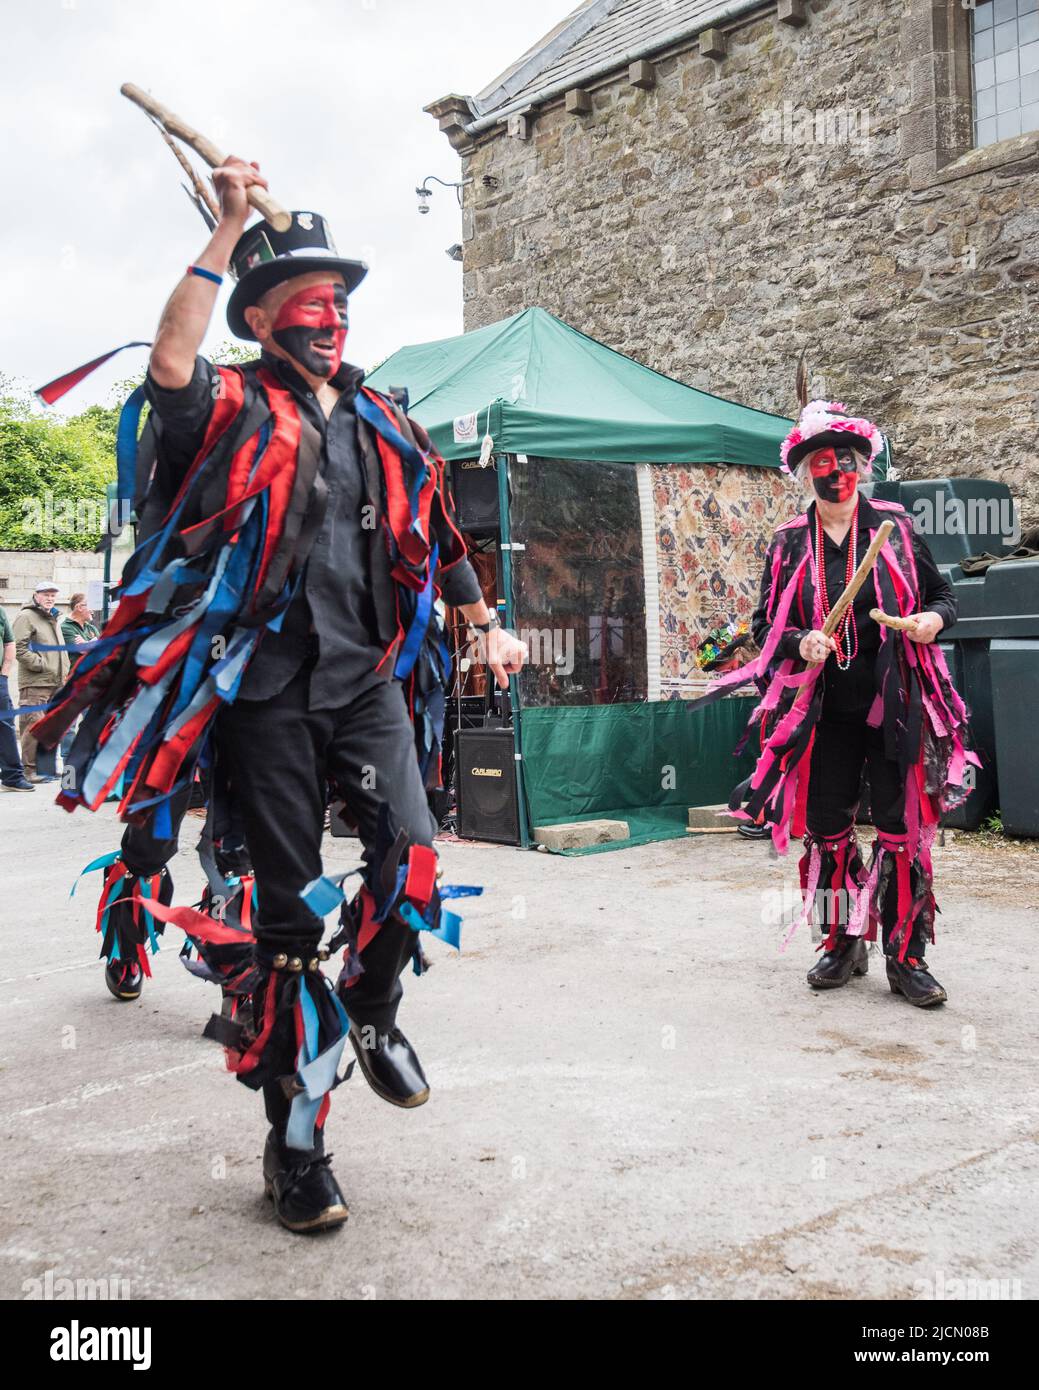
x=825, y=423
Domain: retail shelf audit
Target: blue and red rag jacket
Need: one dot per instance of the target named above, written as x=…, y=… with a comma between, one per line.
x=218, y=563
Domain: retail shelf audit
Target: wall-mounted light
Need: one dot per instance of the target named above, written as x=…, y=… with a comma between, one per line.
x=424, y=193
x=455, y=252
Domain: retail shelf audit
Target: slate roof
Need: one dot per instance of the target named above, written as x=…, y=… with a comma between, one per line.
x=590, y=35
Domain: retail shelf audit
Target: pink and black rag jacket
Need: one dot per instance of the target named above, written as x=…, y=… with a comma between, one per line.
x=924, y=723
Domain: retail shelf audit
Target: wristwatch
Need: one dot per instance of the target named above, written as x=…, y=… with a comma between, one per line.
x=487, y=626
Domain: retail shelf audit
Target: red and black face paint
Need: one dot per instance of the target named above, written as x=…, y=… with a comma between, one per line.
x=835, y=474
x=311, y=327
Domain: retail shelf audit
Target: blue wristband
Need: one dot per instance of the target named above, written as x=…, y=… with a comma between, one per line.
x=206, y=274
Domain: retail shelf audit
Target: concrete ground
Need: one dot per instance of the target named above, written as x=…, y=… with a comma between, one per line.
x=634, y=1095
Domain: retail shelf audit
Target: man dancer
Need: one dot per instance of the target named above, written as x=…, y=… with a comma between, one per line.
x=301, y=526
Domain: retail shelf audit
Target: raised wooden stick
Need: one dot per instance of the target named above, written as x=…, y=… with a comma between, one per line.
x=859, y=578
x=879, y=616
x=261, y=200
x=202, y=193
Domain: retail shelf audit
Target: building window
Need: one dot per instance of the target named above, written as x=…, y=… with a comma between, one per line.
x=1005, y=65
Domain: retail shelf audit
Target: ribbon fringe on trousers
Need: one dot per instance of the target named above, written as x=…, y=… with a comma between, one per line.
x=891, y=898
x=283, y=1024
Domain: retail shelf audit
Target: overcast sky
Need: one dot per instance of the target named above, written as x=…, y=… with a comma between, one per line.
x=326, y=95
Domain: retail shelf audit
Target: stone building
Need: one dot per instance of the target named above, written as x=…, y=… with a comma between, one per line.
x=711, y=187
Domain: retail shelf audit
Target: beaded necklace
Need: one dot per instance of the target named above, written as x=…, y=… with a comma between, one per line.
x=846, y=632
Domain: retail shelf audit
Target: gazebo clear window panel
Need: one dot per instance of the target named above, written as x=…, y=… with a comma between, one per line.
x=578, y=583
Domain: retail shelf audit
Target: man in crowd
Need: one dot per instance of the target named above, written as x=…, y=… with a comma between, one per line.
x=78, y=624
x=40, y=673
x=12, y=774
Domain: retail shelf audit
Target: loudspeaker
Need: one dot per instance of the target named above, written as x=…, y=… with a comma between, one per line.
x=473, y=712
x=476, y=496
x=486, y=784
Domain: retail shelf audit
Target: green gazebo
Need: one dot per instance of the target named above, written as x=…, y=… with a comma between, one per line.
x=578, y=432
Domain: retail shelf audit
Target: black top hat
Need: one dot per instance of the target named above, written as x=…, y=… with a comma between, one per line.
x=264, y=258
x=826, y=439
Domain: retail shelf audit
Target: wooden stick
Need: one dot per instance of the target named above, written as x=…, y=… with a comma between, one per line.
x=275, y=214
x=201, y=191
x=879, y=616
x=857, y=580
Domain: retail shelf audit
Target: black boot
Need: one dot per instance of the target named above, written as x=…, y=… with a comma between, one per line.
x=302, y=1187
x=912, y=980
x=835, y=968
x=390, y=1065
x=124, y=979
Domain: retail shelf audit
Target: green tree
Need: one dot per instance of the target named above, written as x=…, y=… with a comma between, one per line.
x=54, y=470
x=52, y=478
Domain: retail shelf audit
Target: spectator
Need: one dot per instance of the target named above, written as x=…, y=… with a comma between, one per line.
x=12, y=774
x=40, y=673
x=77, y=626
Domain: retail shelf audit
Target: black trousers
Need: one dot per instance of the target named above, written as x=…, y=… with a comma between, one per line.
x=844, y=746
x=11, y=770
x=279, y=756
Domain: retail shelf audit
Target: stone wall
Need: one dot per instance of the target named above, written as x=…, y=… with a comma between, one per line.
x=74, y=571
x=806, y=189
x=22, y=570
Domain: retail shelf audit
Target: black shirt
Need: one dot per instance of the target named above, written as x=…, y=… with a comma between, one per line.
x=332, y=615
x=331, y=618
x=853, y=690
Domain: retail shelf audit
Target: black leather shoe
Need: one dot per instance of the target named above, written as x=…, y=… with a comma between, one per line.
x=835, y=968
x=124, y=979
x=754, y=832
x=304, y=1191
x=911, y=979
x=390, y=1066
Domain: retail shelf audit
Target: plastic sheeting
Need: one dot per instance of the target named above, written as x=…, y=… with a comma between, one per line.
x=644, y=763
x=578, y=583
